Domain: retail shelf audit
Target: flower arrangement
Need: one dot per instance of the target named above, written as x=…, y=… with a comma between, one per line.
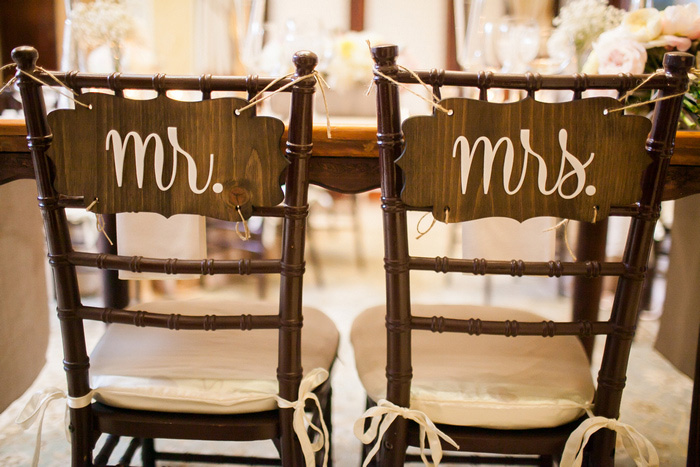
x=350, y=63
x=579, y=23
x=640, y=40
x=103, y=22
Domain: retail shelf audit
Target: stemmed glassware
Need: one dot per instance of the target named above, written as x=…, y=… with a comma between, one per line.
x=516, y=43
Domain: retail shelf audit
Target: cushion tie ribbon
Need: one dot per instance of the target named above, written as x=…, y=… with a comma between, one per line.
x=310, y=382
x=637, y=446
x=35, y=409
x=386, y=412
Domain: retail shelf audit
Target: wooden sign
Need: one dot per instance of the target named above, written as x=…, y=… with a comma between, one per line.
x=524, y=159
x=168, y=156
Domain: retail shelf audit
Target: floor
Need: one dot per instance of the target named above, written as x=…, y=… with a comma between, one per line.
x=347, y=278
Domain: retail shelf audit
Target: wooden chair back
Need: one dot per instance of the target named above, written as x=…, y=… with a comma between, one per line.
x=583, y=159
x=207, y=158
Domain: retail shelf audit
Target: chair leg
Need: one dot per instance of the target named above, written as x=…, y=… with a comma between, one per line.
x=365, y=451
x=600, y=450
x=327, y=409
x=278, y=446
x=81, y=443
x=369, y=403
x=148, y=452
x=325, y=398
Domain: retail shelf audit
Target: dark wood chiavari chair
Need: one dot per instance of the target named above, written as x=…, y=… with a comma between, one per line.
x=203, y=369
x=494, y=380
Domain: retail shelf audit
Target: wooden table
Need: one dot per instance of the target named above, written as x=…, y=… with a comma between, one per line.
x=348, y=163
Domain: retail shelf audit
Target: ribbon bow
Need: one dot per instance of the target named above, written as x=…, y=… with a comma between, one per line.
x=637, y=446
x=389, y=411
x=310, y=382
x=35, y=409
x=39, y=402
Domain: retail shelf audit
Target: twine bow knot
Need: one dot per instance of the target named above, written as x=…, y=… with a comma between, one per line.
x=384, y=414
x=12, y=80
x=261, y=96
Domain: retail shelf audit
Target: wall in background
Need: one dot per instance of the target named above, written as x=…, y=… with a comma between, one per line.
x=29, y=22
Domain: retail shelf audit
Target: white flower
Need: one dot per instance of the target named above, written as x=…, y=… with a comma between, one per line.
x=616, y=52
x=643, y=25
x=590, y=66
x=351, y=62
x=560, y=46
x=102, y=22
x=681, y=20
x=584, y=20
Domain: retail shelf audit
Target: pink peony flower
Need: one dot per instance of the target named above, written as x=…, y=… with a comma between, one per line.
x=618, y=53
x=671, y=42
x=681, y=20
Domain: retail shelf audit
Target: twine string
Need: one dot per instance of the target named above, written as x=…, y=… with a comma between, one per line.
x=245, y=235
x=76, y=101
x=261, y=96
x=12, y=80
x=432, y=102
x=694, y=75
x=639, y=104
x=5, y=67
x=447, y=221
x=636, y=88
x=420, y=234
x=321, y=83
x=60, y=83
x=565, y=224
x=421, y=82
x=9, y=81
x=99, y=220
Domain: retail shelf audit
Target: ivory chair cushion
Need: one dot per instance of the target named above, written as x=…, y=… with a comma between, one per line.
x=214, y=372
x=483, y=381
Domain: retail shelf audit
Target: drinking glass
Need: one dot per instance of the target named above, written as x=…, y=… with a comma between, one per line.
x=516, y=42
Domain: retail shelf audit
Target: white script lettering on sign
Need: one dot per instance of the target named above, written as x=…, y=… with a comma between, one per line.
x=114, y=140
x=467, y=153
x=523, y=159
x=123, y=155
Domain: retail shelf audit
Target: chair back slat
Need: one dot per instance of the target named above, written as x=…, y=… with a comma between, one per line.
x=518, y=268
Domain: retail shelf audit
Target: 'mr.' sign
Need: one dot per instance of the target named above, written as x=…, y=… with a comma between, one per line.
x=168, y=156
x=524, y=159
